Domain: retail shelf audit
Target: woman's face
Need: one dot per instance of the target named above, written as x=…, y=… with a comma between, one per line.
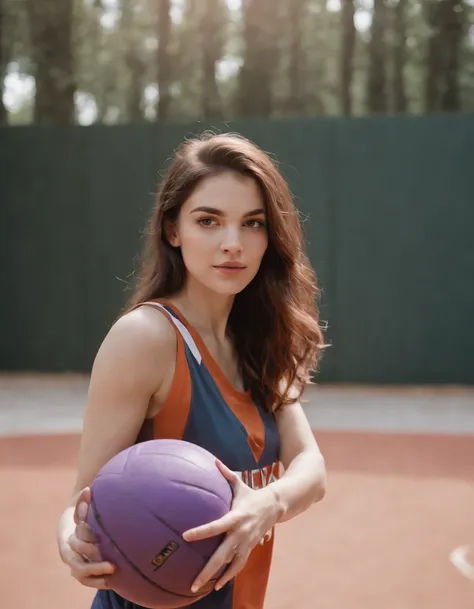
x=221, y=230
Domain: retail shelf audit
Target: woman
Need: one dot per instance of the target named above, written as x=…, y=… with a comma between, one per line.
x=215, y=347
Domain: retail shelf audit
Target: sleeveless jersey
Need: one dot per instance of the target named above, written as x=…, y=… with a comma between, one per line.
x=204, y=408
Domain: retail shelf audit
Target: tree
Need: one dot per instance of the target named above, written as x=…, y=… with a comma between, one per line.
x=213, y=31
x=50, y=23
x=260, y=58
x=377, y=68
x=400, y=104
x=3, y=64
x=347, y=48
x=132, y=60
x=295, y=62
x=454, y=30
x=445, y=19
x=164, y=60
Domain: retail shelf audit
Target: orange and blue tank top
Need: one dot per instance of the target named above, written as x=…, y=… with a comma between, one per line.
x=203, y=407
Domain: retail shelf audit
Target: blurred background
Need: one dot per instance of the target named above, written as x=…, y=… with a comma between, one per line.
x=368, y=108
x=123, y=61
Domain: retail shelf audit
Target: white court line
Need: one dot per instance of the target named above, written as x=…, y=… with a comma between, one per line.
x=459, y=559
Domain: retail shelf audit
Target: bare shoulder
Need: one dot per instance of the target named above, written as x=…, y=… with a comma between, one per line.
x=140, y=339
x=143, y=328
x=133, y=363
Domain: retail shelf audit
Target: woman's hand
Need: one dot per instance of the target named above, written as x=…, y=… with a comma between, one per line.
x=254, y=513
x=80, y=551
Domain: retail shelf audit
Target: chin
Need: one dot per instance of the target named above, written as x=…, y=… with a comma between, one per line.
x=229, y=288
x=229, y=291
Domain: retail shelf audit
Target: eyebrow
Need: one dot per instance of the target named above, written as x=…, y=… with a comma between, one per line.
x=218, y=212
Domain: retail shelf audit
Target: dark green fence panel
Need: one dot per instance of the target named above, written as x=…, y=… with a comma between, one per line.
x=388, y=213
x=404, y=251
x=43, y=222
x=121, y=181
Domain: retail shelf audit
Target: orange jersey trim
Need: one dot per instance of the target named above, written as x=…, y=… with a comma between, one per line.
x=170, y=421
x=240, y=402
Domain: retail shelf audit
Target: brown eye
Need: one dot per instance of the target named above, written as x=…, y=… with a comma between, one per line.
x=255, y=223
x=206, y=222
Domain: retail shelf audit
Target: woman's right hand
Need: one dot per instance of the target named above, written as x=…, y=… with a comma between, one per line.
x=80, y=551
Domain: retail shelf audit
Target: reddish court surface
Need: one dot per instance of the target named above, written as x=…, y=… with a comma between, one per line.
x=397, y=505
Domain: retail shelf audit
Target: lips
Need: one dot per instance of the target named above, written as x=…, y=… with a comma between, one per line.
x=231, y=265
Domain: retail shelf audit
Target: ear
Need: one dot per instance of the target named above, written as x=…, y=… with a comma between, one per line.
x=171, y=233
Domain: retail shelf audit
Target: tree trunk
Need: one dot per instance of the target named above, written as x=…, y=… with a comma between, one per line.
x=400, y=104
x=135, y=68
x=434, y=68
x=260, y=58
x=346, y=61
x=211, y=45
x=295, y=102
x=164, y=60
x=134, y=100
x=453, y=40
x=50, y=24
x=377, y=71
x=446, y=20
x=3, y=65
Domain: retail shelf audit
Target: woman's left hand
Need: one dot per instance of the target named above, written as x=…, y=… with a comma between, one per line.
x=254, y=513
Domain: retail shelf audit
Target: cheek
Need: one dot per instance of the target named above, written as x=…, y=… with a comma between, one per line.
x=196, y=246
x=256, y=245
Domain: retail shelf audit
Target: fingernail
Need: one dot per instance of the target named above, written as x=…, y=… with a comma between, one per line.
x=194, y=588
x=82, y=510
x=218, y=587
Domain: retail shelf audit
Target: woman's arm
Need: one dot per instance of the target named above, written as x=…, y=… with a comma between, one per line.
x=134, y=361
x=255, y=512
x=304, y=480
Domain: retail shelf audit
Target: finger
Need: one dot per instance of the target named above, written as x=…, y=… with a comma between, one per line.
x=82, y=505
x=83, y=570
x=84, y=532
x=100, y=583
x=87, y=550
x=223, y=556
x=234, y=568
x=217, y=527
x=230, y=476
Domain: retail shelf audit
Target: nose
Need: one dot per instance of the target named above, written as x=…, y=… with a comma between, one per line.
x=231, y=243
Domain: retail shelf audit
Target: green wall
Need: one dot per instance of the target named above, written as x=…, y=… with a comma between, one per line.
x=388, y=205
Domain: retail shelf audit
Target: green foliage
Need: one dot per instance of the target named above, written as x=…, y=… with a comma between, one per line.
x=115, y=56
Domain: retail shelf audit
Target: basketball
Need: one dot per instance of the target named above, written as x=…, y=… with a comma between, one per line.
x=142, y=501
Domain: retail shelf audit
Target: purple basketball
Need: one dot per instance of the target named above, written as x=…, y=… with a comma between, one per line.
x=143, y=500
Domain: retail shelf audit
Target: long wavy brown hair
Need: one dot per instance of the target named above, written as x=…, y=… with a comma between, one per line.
x=274, y=321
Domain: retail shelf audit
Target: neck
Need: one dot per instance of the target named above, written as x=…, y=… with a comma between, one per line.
x=206, y=311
